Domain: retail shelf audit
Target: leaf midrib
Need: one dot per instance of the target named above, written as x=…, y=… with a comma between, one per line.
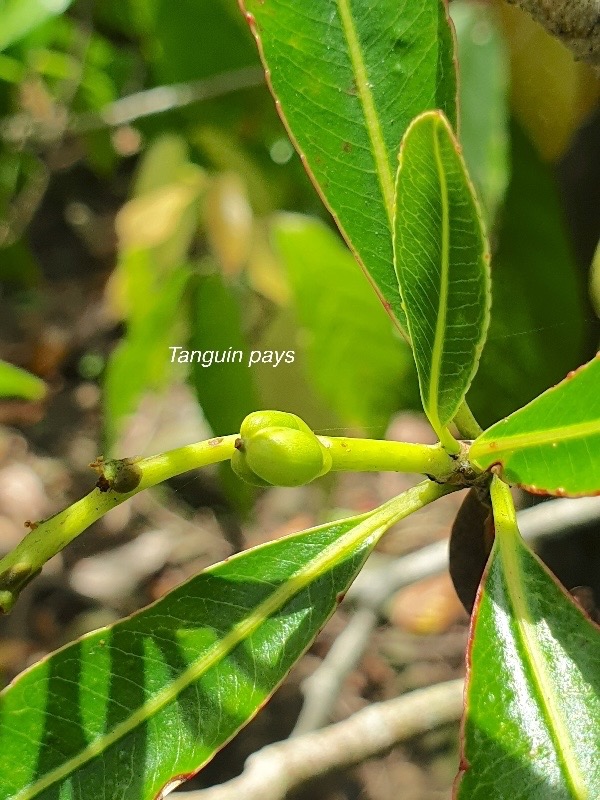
x=437, y=352
x=525, y=626
x=524, y=441
x=373, y=526
x=384, y=171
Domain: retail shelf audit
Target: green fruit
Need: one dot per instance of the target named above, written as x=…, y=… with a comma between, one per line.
x=286, y=457
x=259, y=420
x=243, y=471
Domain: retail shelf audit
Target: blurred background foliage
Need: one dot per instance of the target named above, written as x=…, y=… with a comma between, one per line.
x=142, y=157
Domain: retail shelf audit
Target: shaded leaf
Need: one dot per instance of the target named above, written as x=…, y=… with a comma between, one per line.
x=533, y=690
x=225, y=43
x=442, y=261
x=470, y=545
x=348, y=82
x=17, y=382
x=144, y=703
x=552, y=445
x=355, y=358
x=537, y=331
x=483, y=100
x=224, y=388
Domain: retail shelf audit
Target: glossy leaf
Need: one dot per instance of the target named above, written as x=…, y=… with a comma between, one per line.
x=357, y=361
x=552, y=445
x=348, y=82
x=533, y=690
x=441, y=257
x=143, y=704
x=483, y=100
x=17, y=382
x=19, y=17
x=537, y=330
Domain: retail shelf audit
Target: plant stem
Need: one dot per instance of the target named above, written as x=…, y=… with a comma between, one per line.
x=49, y=537
x=505, y=515
x=121, y=479
x=371, y=455
x=449, y=443
x=466, y=423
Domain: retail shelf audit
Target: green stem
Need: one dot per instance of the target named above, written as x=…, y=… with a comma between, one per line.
x=505, y=515
x=371, y=455
x=50, y=536
x=448, y=441
x=407, y=503
x=121, y=479
x=466, y=423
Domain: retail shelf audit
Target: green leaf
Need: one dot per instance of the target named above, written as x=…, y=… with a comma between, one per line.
x=145, y=703
x=552, y=445
x=533, y=689
x=16, y=382
x=163, y=164
x=348, y=82
x=537, y=330
x=19, y=17
x=442, y=261
x=225, y=44
x=483, y=101
x=357, y=361
x=224, y=388
x=141, y=361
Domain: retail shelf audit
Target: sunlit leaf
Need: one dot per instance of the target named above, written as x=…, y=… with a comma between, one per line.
x=229, y=222
x=441, y=258
x=144, y=703
x=533, y=687
x=357, y=361
x=552, y=445
x=17, y=382
x=141, y=361
x=348, y=82
x=483, y=99
x=19, y=17
x=164, y=219
x=162, y=164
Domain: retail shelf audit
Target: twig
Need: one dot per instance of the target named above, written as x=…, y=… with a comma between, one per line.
x=167, y=98
x=575, y=22
x=373, y=588
x=273, y=771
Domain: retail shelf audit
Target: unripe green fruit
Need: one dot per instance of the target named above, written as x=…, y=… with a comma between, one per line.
x=286, y=457
x=243, y=471
x=259, y=420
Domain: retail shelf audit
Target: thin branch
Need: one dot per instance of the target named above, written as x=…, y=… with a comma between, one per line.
x=271, y=773
x=575, y=22
x=373, y=588
x=168, y=98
